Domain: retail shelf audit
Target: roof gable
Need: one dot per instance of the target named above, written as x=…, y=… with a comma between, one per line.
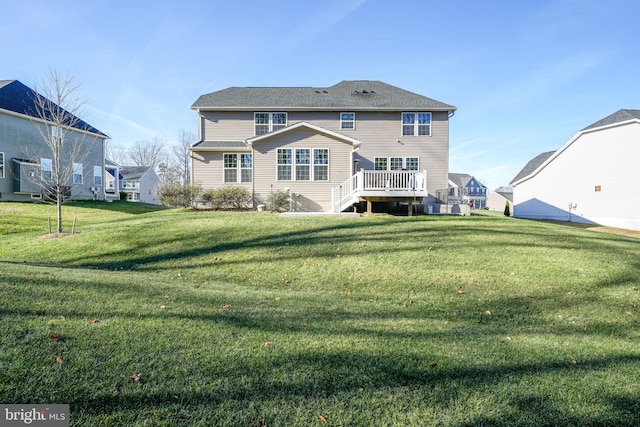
x=133, y=172
x=346, y=95
x=318, y=129
x=18, y=98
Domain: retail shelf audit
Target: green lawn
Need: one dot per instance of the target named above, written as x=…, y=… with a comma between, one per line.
x=156, y=317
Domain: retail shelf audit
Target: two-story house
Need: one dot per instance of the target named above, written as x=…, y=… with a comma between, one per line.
x=464, y=188
x=26, y=161
x=138, y=184
x=330, y=148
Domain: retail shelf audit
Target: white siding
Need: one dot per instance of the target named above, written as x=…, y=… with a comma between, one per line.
x=607, y=158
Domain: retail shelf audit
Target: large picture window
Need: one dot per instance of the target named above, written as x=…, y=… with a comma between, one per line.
x=269, y=122
x=237, y=167
x=303, y=164
x=416, y=124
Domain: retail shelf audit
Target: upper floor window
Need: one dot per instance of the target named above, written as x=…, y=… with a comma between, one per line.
x=129, y=183
x=1, y=165
x=238, y=167
x=396, y=163
x=347, y=121
x=46, y=169
x=97, y=175
x=269, y=122
x=416, y=124
x=303, y=164
x=77, y=173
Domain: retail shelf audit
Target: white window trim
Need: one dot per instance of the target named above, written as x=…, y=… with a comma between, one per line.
x=416, y=125
x=238, y=168
x=270, y=124
x=348, y=121
x=404, y=162
x=1, y=164
x=312, y=165
x=78, y=170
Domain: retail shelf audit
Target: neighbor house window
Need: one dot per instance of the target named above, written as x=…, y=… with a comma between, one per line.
x=46, y=169
x=284, y=164
x=416, y=124
x=238, y=168
x=269, y=122
x=1, y=165
x=57, y=134
x=303, y=164
x=320, y=164
x=347, y=120
x=130, y=184
x=97, y=175
x=396, y=163
x=77, y=173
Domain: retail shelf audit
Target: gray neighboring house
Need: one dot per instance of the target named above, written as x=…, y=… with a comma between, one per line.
x=465, y=189
x=139, y=184
x=23, y=175
x=331, y=148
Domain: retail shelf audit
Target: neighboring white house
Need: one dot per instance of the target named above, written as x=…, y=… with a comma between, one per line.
x=139, y=184
x=588, y=180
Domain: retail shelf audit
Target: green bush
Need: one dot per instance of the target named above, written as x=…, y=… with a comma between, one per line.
x=278, y=201
x=177, y=195
x=228, y=197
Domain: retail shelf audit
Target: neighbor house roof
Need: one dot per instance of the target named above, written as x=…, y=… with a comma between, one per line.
x=532, y=165
x=617, y=117
x=133, y=172
x=461, y=179
x=18, y=98
x=346, y=95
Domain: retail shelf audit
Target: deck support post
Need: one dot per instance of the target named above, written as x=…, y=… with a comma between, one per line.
x=410, y=207
x=369, y=207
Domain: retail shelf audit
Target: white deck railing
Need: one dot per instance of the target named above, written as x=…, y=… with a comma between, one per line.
x=379, y=184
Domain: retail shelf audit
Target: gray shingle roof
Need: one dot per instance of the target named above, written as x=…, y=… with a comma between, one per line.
x=16, y=97
x=617, y=117
x=460, y=179
x=532, y=165
x=346, y=95
x=220, y=144
x=133, y=172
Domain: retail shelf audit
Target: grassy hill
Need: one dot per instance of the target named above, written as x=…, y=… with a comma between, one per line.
x=158, y=317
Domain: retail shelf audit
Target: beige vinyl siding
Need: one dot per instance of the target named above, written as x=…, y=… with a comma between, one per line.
x=313, y=195
x=228, y=126
x=208, y=169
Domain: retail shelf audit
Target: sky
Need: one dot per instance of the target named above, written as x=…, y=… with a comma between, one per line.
x=525, y=76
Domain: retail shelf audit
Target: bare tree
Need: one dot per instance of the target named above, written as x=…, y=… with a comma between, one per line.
x=68, y=140
x=149, y=153
x=116, y=154
x=181, y=153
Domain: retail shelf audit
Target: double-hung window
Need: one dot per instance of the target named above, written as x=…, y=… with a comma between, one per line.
x=347, y=121
x=321, y=164
x=46, y=169
x=97, y=175
x=284, y=164
x=238, y=167
x=303, y=164
x=269, y=122
x=1, y=165
x=416, y=124
x=396, y=163
x=77, y=173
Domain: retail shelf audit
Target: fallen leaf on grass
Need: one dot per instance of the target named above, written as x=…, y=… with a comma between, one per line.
x=135, y=378
x=433, y=365
x=277, y=298
x=268, y=344
x=59, y=360
x=95, y=321
x=226, y=306
x=360, y=390
x=55, y=336
x=460, y=292
x=323, y=419
x=162, y=307
x=629, y=313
